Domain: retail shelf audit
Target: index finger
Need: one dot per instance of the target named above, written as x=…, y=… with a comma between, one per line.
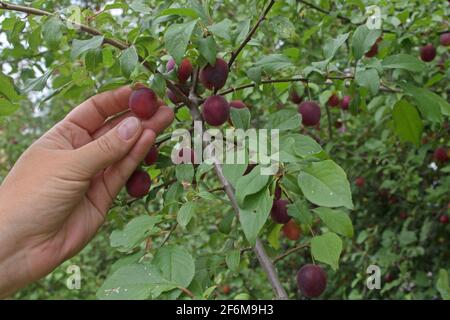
x=92, y=113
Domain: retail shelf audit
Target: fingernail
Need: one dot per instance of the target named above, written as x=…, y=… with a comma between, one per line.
x=128, y=128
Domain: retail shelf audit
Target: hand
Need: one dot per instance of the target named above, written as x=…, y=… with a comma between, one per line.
x=58, y=193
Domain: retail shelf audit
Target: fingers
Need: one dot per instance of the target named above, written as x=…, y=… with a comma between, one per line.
x=92, y=114
x=109, y=148
x=103, y=191
x=160, y=121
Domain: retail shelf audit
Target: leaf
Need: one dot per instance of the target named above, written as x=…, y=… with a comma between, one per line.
x=325, y=184
x=134, y=232
x=37, y=84
x=285, y=119
x=208, y=49
x=134, y=282
x=305, y=146
x=188, y=12
x=128, y=61
x=363, y=39
x=336, y=220
x=240, y=118
x=442, y=284
x=254, y=215
x=274, y=62
x=282, y=26
x=299, y=211
x=185, y=173
x=158, y=85
x=222, y=29
x=242, y=29
x=7, y=88
x=327, y=248
x=333, y=46
x=431, y=106
x=369, y=79
x=407, y=122
x=405, y=62
x=274, y=236
x=176, y=265
x=140, y=6
x=7, y=108
x=81, y=46
x=177, y=38
x=250, y=184
x=233, y=172
x=233, y=259
x=51, y=31
x=186, y=213
x=93, y=60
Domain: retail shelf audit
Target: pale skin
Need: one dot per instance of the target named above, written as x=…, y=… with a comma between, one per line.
x=58, y=193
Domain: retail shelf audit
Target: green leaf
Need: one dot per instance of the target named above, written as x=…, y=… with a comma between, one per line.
x=369, y=79
x=327, y=248
x=240, y=118
x=185, y=173
x=222, y=29
x=7, y=108
x=333, y=46
x=37, y=84
x=405, y=62
x=93, y=60
x=188, y=12
x=140, y=6
x=233, y=172
x=81, y=46
x=134, y=232
x=282, y=26
x=305, y=146
x=274, y=62
x=176, y=265
x=299, y=210
x=128, y=61
x=242, y=29
x=363, y=39
x=185, y=214
x=285, y=119
x=407, y=122
x=431, y=106
x=134, y=282
x=177, y=38
x=250, y=184
x=255, y=213
x=208, y=49
x=336, y=220
x=325, y=184
x=233, y=259
x=274, y=236
x=254, y=74
x=158, y=85
x=7, y=88
x=52, y=31
x=442, y=284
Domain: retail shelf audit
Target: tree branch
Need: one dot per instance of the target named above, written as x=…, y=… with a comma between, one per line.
x=236, y=53
x=290, y=251
x=313, y=6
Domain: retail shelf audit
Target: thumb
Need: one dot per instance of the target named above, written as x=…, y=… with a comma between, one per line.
x=111, y=147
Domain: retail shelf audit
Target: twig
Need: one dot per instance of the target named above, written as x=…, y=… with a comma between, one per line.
x=290, y=251
x=330, y=128
x=187, y=292
x=236, y=53
x=313, y=6
x=172, y=229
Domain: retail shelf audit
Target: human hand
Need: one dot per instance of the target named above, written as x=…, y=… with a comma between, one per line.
x=58, y=193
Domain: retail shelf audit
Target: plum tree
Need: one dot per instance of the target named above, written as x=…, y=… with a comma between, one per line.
x=291, y=230
x=445, y=39
x=238, y=104
x=216, y=110
x=151, y=156
x=279, y=212
x=214, y=77
x=310, y=112
x=373, y=51
x=143, y=102
x=333, y=101
x=360, y=182
x=311, y=280
x=294, y=96
x=428, y=53
x=185, y=69
x=345, y=103
x=441, y=155
x=138, y=185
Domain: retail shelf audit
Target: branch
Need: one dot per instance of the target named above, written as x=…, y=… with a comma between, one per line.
x=313, y=6
x=290, y=251
x=113, y=42
x=236, y=53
